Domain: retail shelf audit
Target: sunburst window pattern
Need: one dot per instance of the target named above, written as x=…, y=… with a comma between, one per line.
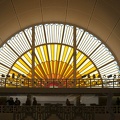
x=54, y=59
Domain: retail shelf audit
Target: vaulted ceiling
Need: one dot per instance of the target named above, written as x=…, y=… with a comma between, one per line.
x=99, y=17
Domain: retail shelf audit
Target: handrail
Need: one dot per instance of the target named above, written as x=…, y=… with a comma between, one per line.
x=60, y=83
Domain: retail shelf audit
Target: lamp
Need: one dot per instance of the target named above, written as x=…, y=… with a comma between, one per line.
x=23, y=75
x=109, y=76
x=83, y=76
x=94, y=76
x=104, y=76
x=18, y=75
x=114, y=76
x=13, y=75
x=2, y=75
x=88, y=75
x=7, y=75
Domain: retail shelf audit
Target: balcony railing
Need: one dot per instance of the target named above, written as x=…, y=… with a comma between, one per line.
x=39, y=112
x=59, y=83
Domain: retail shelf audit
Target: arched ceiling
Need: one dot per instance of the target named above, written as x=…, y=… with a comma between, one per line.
x=100, y=17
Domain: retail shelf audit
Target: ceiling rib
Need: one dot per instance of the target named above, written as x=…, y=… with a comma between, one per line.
x=112, y=30
x=91, y=14
x=66, y=12
x=41, y=10
x=16, y=14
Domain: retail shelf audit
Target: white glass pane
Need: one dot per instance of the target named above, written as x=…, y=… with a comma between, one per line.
x=68, y=35
x=28, y=33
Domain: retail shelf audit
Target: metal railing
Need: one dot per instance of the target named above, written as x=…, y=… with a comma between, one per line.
x=39, y=112
x=60, y=83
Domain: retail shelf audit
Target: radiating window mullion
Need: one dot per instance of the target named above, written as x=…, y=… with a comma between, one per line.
x=37, y=36
x=82, y=42
x=26, y=61
x=100, y=57
x=25, y=40
x=79, y=35
x=6, y=56
x=17, y=70
x=10, y=51
x=104, y=61
x=85, y=43
x=62, y=52
x=68, y=53
x=88, y=45
x=13, y=46
x=27, y=34
x=19, y=44
x=30, y=34
x=103, y=58
x=22, y=46
x=96, y=53
x=94, y=45
x=47, y=33
x=16, y=45
x=60, y=32
x=40, y=35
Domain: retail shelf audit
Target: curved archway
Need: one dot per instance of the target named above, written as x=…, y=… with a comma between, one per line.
x=54, y=58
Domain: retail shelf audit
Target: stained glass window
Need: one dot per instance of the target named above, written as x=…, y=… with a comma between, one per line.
x=54, y=59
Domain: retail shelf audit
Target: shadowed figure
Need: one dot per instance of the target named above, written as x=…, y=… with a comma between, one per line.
x=67, y=102
x=34, y=101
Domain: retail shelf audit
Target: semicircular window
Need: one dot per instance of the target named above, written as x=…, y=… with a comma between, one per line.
x=56, y=55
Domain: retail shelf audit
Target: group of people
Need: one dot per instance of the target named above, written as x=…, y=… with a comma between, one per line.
x=11, y=101
x=28, y=101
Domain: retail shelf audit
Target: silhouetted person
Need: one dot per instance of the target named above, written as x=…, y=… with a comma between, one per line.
x=28, y=101
x=17, y=102
x=67, y=102
x=10, y=101
x=118, y=101
x=34, y=101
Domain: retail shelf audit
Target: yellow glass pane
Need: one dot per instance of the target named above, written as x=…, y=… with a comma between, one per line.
x=38, y=72
x=89, y=71
x=52, y=66
x=41, y=70
x=81, y=61
x=48, y=67
x=58, y=51
x=86, y=66
x=78, y=55
x=64, y=68
x=59, y=67
x=52, y=51
x=24, y=64
x=56, y=67
x=65, y=52
x=44, y=67
x=69, y=67
x=28, y=58
x=70, y=55
x=45, y=51
x=40, y=54
x=20, y=68
x=69, y=73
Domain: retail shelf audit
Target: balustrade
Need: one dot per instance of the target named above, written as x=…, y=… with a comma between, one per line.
x=60, y=83
x=63, y=112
